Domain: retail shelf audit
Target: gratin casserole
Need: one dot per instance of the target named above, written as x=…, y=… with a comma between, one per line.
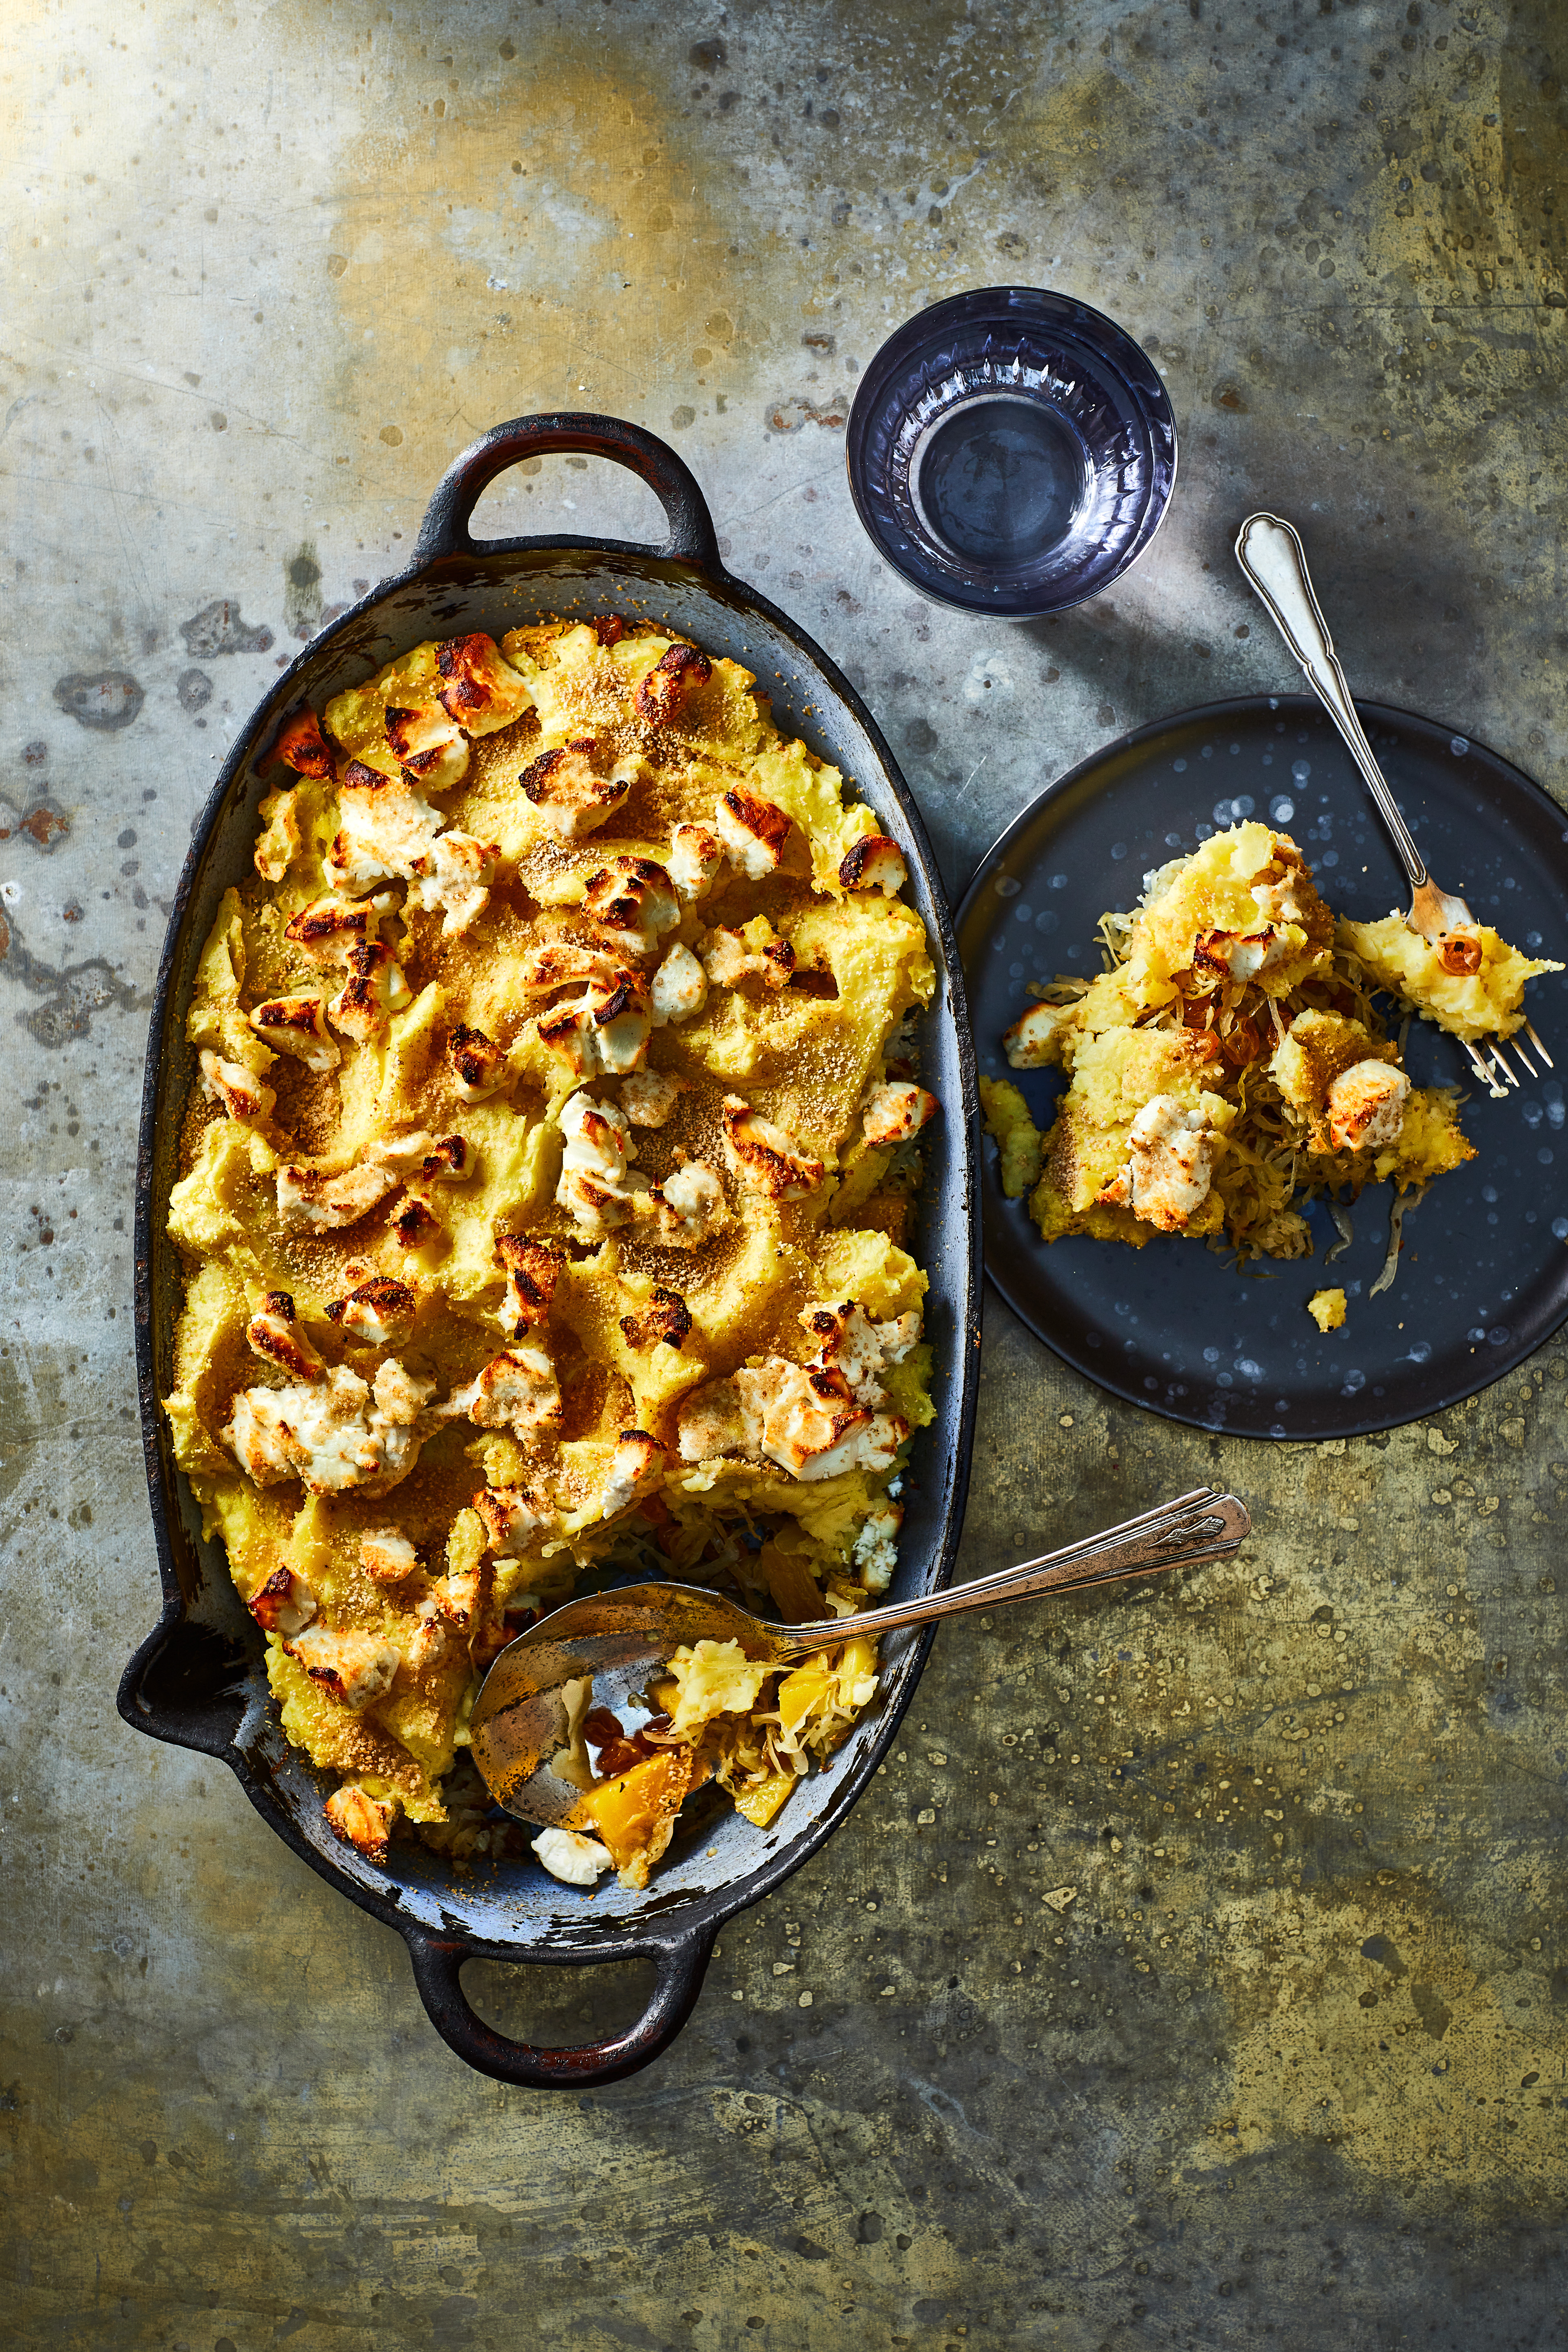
x=1230, y=1064
x=542, y=1204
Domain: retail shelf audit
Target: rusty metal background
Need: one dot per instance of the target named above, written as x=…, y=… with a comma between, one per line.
x=1194, y=1974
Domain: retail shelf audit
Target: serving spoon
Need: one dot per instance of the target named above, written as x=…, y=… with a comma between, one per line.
x=519, y=1724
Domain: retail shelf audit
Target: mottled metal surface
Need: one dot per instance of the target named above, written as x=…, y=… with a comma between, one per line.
x=1286, y=2064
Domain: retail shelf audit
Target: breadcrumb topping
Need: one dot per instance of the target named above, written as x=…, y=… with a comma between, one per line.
x=537, y=1067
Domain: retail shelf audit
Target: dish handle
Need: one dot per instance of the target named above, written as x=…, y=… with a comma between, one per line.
x=185, y=1685
x=445, y=530
x=680, y=1963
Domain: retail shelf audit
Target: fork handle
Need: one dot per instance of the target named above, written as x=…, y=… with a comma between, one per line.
x=1269, y=552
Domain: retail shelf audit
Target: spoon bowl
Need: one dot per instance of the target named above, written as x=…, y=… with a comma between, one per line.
x=523, y=1720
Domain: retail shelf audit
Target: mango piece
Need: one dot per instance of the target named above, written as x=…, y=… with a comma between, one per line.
x=857, y=1672
x=628, y=1813
x=845, y=1678
x=805, y=1689
x=762, y=1800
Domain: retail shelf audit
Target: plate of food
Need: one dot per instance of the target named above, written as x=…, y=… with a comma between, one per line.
x=1239, y=1167
x=557, y=1168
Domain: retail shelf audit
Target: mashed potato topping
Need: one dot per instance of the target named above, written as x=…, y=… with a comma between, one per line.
x=1470, y=983
x=1226, y=1065
x=540, y=1201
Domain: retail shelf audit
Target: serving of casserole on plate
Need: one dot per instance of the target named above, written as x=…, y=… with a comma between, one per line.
x=1297, y=1059
x=1227, y=1066
x=542, y=1195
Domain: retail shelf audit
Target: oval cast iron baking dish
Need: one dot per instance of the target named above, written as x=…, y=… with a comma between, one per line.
x=198, y=1679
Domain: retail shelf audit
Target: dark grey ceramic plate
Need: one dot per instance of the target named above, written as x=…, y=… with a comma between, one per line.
x=1483, y=1279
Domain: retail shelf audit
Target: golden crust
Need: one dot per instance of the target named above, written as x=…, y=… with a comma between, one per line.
x=434, y=1031
x=1319, y=1049
x=1227, y=1063
x=1471, y=983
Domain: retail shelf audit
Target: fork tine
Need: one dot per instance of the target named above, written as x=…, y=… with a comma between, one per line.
x=1487, y=1074
x=1529, y=1033
x=1498, y=1063
x=1524, y=1057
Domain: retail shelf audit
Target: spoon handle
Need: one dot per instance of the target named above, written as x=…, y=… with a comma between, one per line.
x=1269, y=550
x=1205, y=1525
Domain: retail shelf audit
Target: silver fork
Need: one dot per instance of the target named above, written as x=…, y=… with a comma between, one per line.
x=1270, y=553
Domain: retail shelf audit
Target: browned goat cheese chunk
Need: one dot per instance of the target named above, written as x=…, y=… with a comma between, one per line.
x=428, y=744
x=310, y=1197
x=386, y=1555
x=479, y=689
x=478, y=1064
x=377, y=1313
x=285, y=1605
x=677, y=674
x=241, y=1093
x=274, y=1333
x=666, y=1319
x=874, y=863
x=533, y=1270
x=297, y=1025
x=301, y=746
x=754, y=833
x=575, y=788
x=362, y=1819
x=635, y=1465
x=1366, y=1107
x=897, y=1111
x=355, y=1668
x=1169, y=1164
x=764, y=1158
